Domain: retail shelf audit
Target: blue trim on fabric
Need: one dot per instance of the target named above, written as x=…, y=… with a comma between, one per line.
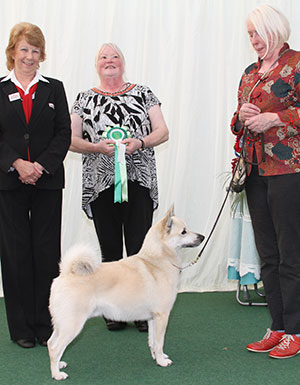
x=248, y=279
x=232, y=273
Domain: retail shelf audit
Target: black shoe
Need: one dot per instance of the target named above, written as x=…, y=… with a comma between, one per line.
x=42, y=341
x=114, y=325
x=26, y=343
x=141, y=325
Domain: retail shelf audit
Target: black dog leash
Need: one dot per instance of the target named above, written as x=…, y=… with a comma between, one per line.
x=229, y=189
x=211, y=231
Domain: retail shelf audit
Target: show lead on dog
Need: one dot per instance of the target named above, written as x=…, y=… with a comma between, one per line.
x=35, y=135
x=134, y=111
x=272, y=116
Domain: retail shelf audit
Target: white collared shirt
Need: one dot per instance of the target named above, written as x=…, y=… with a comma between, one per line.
x=12, y=77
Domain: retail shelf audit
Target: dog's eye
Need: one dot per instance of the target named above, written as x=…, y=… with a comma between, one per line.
x=183, y=232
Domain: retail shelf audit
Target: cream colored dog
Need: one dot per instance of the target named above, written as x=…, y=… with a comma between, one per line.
x=140, y=287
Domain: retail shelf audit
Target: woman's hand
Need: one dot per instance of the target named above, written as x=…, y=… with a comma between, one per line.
x=247, y=111
x=132, y=145
x=263, y=122
x=105, y=147
x=39, y=166
x=29, y=173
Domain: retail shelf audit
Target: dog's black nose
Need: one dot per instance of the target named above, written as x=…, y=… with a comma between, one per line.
x=202, y=237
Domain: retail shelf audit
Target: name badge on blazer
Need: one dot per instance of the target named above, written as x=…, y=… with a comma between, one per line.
x=13, y=97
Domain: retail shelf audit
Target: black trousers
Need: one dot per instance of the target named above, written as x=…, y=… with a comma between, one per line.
x=30, y=235
x=130, y=219
x=274, y=206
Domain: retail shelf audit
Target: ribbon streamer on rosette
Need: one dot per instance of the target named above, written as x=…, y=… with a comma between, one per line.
x=121, y=187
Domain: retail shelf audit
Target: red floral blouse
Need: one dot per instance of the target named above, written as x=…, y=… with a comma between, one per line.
x=279, y=92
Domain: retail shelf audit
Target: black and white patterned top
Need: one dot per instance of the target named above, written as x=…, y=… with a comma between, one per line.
x=127, y=108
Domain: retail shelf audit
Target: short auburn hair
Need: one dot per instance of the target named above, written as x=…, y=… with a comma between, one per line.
x=32, y=34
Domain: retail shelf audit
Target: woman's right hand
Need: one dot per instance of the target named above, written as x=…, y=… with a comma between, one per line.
x=105, y=147
x=28, y=172
x=247, y=111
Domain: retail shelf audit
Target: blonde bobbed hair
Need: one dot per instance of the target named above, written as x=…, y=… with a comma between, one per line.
x=32, y=34
x=271, y=25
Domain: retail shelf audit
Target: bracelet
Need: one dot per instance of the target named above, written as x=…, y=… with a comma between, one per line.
x=143, y=145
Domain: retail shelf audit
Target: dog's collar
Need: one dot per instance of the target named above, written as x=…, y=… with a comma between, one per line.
x=184, y=267
x=177, y=267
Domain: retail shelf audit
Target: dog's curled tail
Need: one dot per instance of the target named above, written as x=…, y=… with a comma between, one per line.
x=80, y=259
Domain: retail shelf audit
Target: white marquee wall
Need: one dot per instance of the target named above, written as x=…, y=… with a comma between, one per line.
x=192, y=54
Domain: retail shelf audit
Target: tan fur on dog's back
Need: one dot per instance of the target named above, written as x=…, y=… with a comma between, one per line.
x=140, y=287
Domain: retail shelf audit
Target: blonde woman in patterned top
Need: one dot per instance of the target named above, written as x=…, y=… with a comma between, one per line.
x=135, y=109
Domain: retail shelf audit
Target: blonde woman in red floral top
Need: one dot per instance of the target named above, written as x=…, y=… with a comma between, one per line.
x=269, y=106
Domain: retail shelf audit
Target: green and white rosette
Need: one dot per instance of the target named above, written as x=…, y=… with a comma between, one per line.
x=121, y=187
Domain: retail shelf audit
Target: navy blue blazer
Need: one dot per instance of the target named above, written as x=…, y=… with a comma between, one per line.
x=48, y=133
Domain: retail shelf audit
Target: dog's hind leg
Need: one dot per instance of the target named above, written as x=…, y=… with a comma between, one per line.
x=160, y=326
x=56, y=348
x=60, y=339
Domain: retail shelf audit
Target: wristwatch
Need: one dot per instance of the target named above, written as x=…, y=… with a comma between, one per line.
x=143, y=145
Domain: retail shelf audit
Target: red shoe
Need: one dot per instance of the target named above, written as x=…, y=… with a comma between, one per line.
x=288, y=347
x=268, y=343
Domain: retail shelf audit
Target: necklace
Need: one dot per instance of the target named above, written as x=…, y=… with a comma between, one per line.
x=119, y=91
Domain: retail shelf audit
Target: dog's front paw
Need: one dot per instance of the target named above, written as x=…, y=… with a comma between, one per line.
x=153, y=353
x=162, y=361
x=62, y=364
x=60, y=376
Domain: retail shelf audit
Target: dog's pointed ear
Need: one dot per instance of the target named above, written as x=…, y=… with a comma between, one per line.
x=169, y=216
x=171, y=210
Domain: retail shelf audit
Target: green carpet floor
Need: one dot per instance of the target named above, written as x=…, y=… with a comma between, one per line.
x=206, y=340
